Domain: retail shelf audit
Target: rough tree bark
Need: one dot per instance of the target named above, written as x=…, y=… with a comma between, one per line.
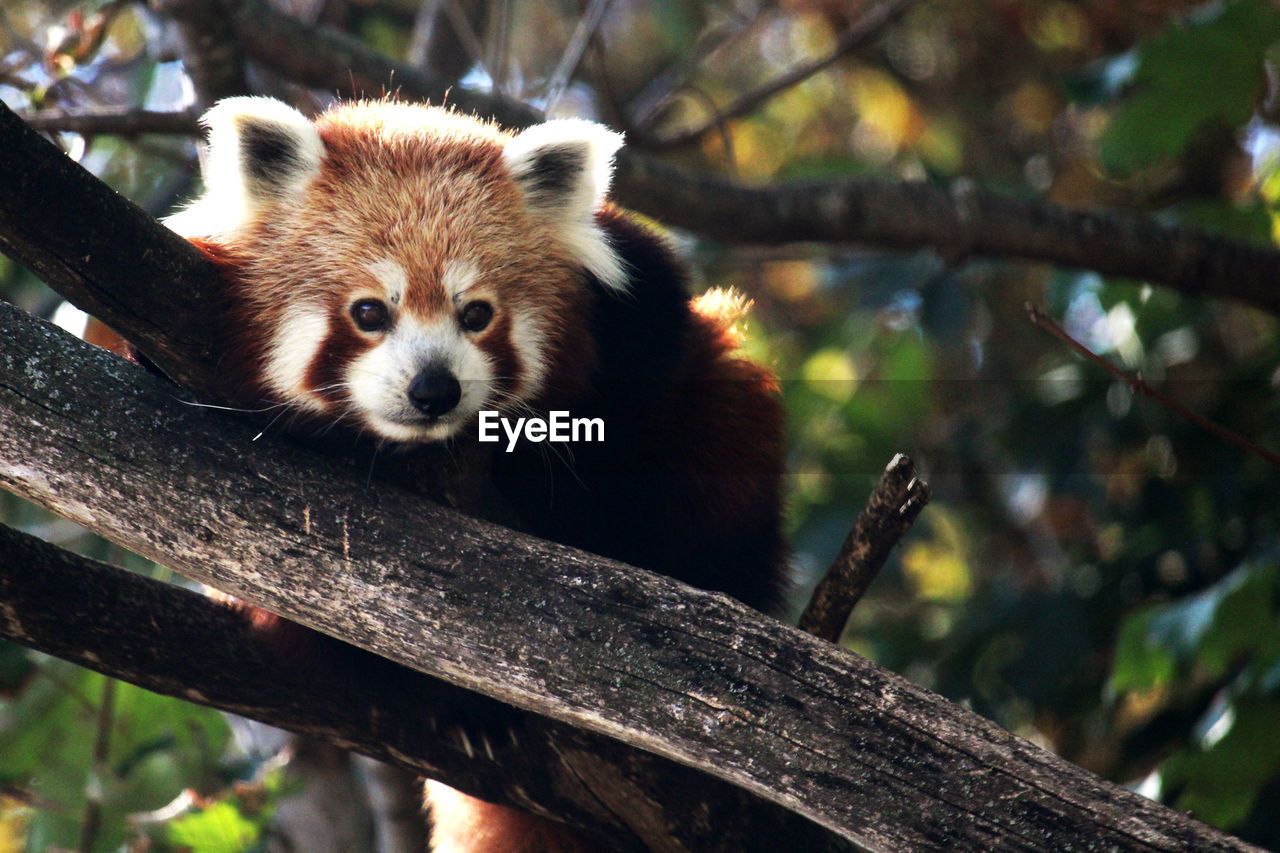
x=143, y=631
x=684, y=674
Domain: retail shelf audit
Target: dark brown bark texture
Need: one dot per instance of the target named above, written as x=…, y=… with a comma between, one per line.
x=107, y=256
x=893, y=507
x=143, y=631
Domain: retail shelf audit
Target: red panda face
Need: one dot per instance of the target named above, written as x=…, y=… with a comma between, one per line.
x=402, y=268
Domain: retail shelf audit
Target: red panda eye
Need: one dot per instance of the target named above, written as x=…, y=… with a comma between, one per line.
x=475, y=315
x=371, y=315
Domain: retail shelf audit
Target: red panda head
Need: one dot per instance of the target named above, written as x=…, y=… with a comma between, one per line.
x=403, y=267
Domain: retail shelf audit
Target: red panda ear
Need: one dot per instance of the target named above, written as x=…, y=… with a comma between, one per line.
x=563, y=168
x=261, y=151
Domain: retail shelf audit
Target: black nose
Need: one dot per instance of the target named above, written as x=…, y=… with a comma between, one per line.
x=434, y=392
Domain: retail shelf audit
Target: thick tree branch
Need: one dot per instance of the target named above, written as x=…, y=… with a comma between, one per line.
x=958, y=222
x=685, y=674
x=324, y=58
x=107, y=256
x=143, y=631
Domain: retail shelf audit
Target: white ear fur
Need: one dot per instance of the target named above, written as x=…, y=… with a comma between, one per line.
x=260, y=151
x=563, y=168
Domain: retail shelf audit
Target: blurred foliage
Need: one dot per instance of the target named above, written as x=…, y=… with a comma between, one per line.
x=1094, y=573
x=77, y=744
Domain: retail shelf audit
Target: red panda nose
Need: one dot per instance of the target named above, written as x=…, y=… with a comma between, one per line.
x=434, y=392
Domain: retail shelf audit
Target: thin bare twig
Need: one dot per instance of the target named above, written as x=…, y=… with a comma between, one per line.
x=866, y=28
x=101, y=751
x=211, y=53
x=586, y=29
x=892, y=508
x=721, y=128
x=1138, y=386
x=658, y=92
x=467, y=35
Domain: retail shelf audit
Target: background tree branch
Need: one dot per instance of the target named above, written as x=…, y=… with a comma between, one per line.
x=123, y=122
x=958, y=221
x=868, y=26
x=213, y=60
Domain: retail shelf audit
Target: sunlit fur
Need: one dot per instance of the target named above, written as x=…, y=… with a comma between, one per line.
x=426, y=211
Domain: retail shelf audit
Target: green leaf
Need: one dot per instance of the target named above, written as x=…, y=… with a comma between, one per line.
x=221, y=828
x=1213, y=629
x=1221, y=783
x=1243, y=620
x=1139, y=663
x=1196, y=71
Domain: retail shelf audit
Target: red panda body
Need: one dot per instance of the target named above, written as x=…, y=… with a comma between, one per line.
x=399, y=270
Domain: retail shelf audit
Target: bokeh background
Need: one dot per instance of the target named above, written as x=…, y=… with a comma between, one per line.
x=1094, y=572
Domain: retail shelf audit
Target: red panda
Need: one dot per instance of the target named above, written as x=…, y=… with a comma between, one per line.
x=399, y=269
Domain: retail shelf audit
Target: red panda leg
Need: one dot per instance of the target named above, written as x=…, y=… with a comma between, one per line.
x=464, y=824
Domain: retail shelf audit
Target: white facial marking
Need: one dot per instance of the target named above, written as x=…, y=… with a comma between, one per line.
x=292, y=350
x=529, y=341
x=392, y=277
x=457, y=277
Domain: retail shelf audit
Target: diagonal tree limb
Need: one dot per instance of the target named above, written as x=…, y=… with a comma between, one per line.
x=107, y=256
x=324, y=58
x=1139, y=386
x=586, y=30
x=211, y=55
